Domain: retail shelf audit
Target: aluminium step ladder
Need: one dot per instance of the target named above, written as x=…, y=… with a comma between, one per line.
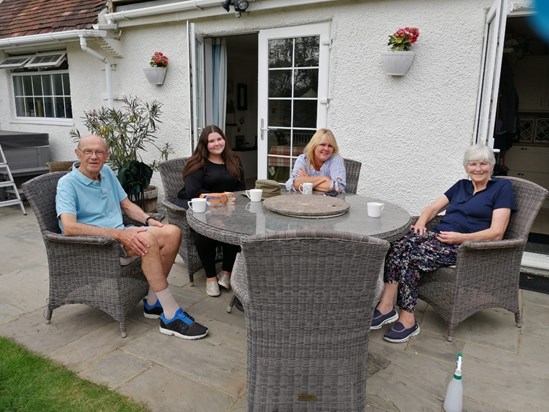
x=8, y=186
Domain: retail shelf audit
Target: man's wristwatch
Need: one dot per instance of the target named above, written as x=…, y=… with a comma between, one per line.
x=147, y=220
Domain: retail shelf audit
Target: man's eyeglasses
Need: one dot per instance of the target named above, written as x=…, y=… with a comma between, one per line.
x=90, y=153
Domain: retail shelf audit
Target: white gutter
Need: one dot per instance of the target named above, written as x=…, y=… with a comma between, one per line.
x=66, y=36
x=108, y=69
x=199, y=5
x=61, y=36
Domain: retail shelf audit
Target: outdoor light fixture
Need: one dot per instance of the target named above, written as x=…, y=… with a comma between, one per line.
x=239, y=6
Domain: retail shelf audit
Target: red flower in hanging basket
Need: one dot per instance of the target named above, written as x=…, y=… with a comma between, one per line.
x=158, y=59
x=402, y=39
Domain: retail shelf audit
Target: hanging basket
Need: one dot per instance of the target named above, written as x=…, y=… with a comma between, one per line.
x=155, y=75
x=397, y=63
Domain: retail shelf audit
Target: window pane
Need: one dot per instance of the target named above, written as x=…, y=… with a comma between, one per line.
x=27, y=85
x=57, y=84
x=48, y=107
x=20, y=107
x=46, y=83
x=68, y=107
x=280, y=113
x=66, y=84
x=37, y=85
x=39, y=107
x=29, y=107
x=59, y=106
x=306, y=83
x=280, y=52
x=305, y=113
x=280, y=83
x=18, y=85
x=307, y=51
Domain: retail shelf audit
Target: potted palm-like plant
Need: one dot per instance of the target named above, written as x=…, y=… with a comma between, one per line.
x=129, y=131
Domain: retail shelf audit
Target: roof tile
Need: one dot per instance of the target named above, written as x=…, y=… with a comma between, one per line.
x=24, y=18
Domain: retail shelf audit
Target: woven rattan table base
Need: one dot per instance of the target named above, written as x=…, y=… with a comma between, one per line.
x=311, y=206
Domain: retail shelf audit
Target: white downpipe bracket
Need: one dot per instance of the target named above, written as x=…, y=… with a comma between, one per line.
x=108, y=69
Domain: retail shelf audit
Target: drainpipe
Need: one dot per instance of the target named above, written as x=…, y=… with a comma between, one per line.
x=108, y=69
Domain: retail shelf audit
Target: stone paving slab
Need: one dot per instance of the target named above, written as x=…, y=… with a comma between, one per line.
x=505, y=368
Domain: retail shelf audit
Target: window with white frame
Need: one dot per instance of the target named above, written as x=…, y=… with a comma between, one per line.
x=41, y=87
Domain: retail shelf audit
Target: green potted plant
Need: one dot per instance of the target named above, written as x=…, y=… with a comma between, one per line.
x=129, y=131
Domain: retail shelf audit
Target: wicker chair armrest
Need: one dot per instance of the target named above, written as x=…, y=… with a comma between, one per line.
x=172, y=206
x=430, y=225
x=83, y=240
x=238, y=280
x=129, y=221
x=494, y=244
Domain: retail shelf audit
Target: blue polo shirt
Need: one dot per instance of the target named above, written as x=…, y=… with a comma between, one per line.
x=93, y=202
x=468, y=212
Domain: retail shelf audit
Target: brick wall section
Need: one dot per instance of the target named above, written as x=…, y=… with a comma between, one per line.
x=27, y=17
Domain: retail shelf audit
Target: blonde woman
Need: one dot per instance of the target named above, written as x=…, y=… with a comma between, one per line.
x=320, y=164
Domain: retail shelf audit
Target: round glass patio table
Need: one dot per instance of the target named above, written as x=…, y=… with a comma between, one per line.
x=232, y=223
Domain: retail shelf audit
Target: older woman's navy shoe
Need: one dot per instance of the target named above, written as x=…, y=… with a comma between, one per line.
x=398, y=333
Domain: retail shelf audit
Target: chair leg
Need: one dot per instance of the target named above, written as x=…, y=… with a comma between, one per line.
x=450, y=336
x=123, y=328
x=47, y=314
x=518, y=319
x=231, y=304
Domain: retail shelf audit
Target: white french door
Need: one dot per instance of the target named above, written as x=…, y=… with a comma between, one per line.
x=487, y=100
x=292, y=94
x=196, y=72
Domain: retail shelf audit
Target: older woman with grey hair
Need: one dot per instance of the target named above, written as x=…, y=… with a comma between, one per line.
x=477, y=209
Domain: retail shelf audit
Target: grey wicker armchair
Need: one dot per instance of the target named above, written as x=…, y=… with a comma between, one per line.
x=486, y=274
x=83, y=269
x=308, y=300
x=171, y=173
x=352, y=170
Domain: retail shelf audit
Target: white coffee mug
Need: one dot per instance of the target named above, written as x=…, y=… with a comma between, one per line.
x=197, y=204
x=375, y=209
x=254, y=194
x=306, y=188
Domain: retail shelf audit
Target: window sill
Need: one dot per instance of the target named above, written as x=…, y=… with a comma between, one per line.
x=44, y=121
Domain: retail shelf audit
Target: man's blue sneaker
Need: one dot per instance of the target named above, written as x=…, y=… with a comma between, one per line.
x=182, y=325
x=152, y=311
x=378, y=320
x=398, y=333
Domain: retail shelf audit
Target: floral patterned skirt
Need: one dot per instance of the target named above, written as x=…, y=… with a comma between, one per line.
x=411, y=255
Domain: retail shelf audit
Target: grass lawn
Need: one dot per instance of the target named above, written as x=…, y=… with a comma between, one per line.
x=29, y=382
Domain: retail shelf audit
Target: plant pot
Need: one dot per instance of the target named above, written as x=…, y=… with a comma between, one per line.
x=150, y=196
x=155, y=75
x=397, y=63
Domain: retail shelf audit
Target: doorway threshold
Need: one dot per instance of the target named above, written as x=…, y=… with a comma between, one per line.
x=536, y=263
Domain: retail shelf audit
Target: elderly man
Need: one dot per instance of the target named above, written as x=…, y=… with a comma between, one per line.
x=90, y=201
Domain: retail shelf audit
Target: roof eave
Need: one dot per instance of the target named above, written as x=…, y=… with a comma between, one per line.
x=52, y=37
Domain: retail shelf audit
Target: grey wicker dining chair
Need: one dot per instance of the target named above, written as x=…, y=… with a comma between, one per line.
x=171, y=173
x=83, y=269
x=307, y=300
x=486, y=274
x=352, y=171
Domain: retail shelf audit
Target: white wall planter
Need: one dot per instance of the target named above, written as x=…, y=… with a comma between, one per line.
x=155, y=75
x=397, y=63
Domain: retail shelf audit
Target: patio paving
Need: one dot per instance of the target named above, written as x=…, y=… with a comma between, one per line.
x=504, y=369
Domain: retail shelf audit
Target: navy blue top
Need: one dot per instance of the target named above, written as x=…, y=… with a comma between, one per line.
x=468, y=212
